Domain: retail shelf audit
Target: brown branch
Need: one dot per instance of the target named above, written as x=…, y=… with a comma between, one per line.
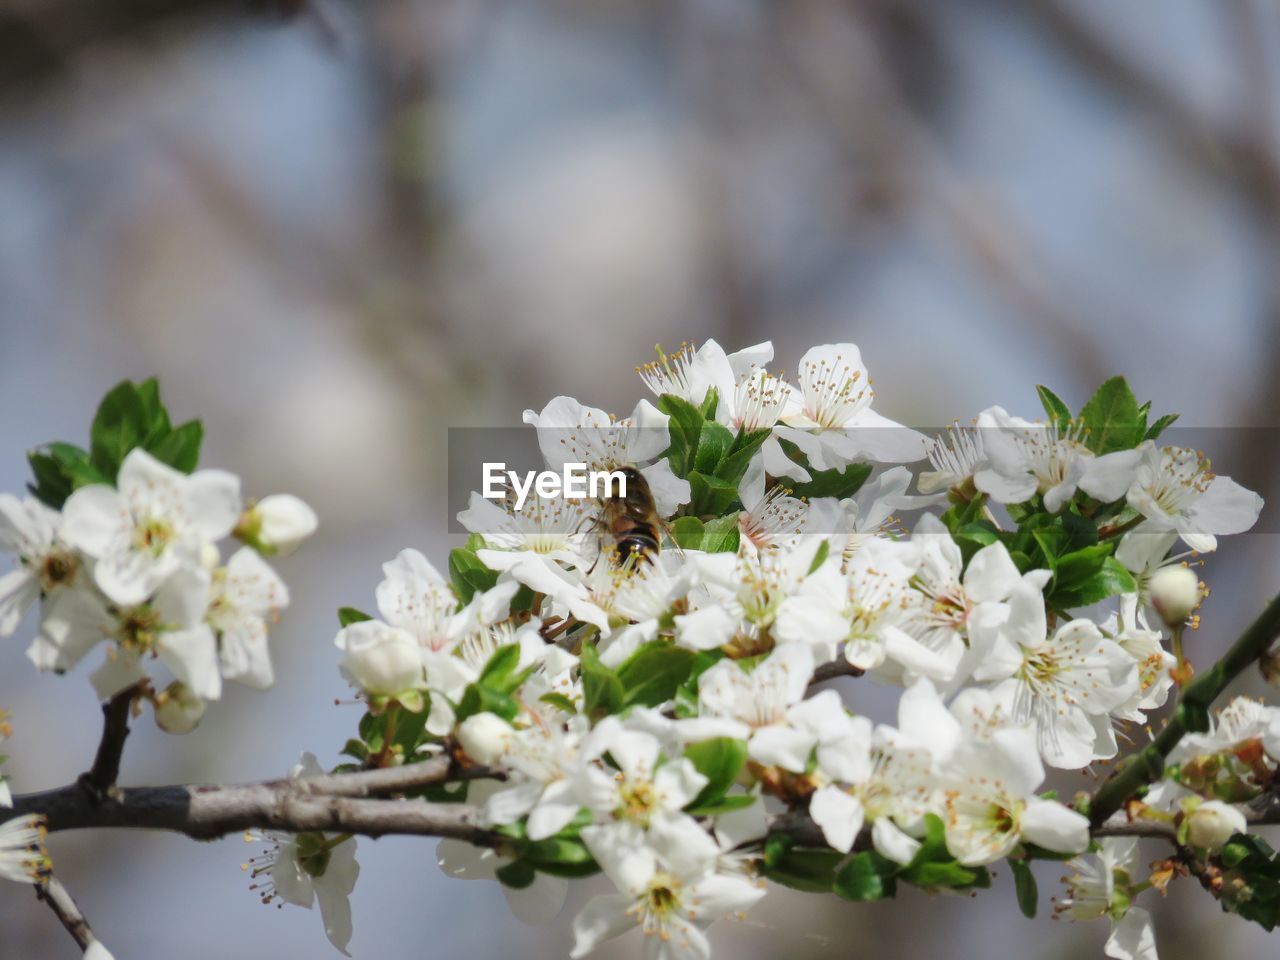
x=840, y=667
x=101, y=777
x=52, y=892
x=341, y=802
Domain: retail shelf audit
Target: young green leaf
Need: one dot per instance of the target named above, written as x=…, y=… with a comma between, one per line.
x=720, y=760
x=1024, y=883
x=1112, y=418
x=1054, y=408
x=651, y=675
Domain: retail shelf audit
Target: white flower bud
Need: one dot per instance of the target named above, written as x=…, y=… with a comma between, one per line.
x=210, y=556
x=284, y=521
x=1213, y=823
x=178, y=710
x=485, y=737
x=379, y=659
x=1175, y=592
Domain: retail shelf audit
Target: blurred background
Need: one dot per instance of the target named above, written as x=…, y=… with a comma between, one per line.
x=336, y=229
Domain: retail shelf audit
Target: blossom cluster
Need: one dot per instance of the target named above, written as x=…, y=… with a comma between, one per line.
x=639, y=685
x=120, y=547
x=642, y=675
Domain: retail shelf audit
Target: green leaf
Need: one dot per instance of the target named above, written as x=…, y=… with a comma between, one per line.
x=713, y=443
x=688, y=532
x=1056, y=410
x=355, y=749
x=801, y=869
x=1105, y=580
x=719, y=536
x=709, y=403
x=500, y=666
x=651, y=675
x=180, y=447
x=1024, y=884
x=350, y=615
x=1112, y=418
x=687, y=695
x=733, y=466
x=562, y=856
x=1159, y=427
x=52, y=486
x=469, y=574
x=559, y=701
x=840, y=484
x=518, y=874
x=727, y=804
x=720, y=760
x=478, y=698
x=602, y=691
x=119, y=425
x=685, y=428
x=711, y=496
x=934, y=867
x=1251, y=886
x=867, y=876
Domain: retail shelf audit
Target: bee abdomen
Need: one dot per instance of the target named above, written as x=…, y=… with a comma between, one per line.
x=640, y=544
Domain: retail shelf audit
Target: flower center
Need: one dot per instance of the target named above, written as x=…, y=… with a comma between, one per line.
x=1183, y=476
x=834, y=391
x=138, y=627
x=758, y=401
x=152, y=536
x=669, y=374
x=636, y=801
x=58, y=568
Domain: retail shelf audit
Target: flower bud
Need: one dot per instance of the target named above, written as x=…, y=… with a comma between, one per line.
x=1175, y=592
x=285, y=521
x=484, y=737
x=178, y=710
x=1213, y=823
x=381, y=660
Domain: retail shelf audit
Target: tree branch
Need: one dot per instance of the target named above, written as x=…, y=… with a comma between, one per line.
x=101, y=777
x=1147, y=764
x=340, y=802
x=840, y=667
x=52, y=892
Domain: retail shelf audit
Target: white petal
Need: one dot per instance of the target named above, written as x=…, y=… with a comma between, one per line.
x=116, y=674
x=838, y=815
x=1049, y=824
x=890, y=841
x=1133, y=937
x=705, y=629
x=192, y=655
x=18, y=591
x=213, y=498
x=1109, y=476
x=783, y=747
x=91, y=517
x=992, y=574
x=541, y=901
x=603, y=918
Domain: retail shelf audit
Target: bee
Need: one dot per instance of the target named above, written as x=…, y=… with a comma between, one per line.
x=631, y=521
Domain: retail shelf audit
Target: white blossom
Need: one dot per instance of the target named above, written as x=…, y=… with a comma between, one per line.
x=155, y=521
x=1174, y=489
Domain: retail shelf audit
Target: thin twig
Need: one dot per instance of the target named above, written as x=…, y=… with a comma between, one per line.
x=101, y=777
x=840, y=667
x=52, y=892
